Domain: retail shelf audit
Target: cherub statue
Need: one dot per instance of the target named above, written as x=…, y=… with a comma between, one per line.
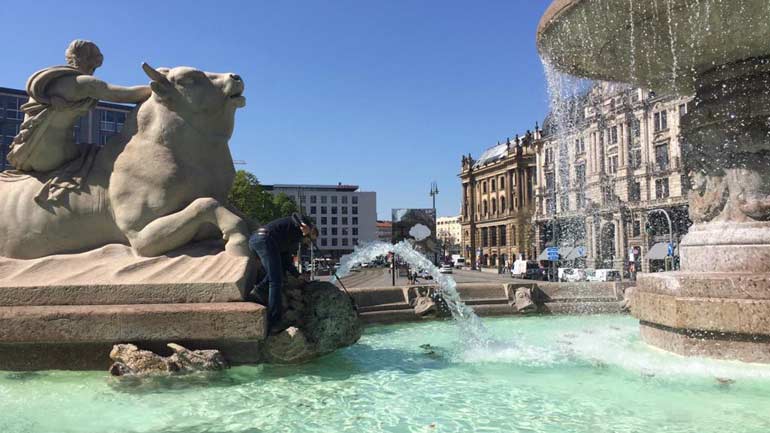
x=58, y=97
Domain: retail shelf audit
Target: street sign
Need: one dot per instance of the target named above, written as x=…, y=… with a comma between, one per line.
x=553, y=254
x=671, y=249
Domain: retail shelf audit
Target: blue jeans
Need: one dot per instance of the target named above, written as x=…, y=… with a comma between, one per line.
x=270, y=257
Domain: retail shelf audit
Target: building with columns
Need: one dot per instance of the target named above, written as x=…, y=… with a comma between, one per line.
x=610, y=178
x=498, y=202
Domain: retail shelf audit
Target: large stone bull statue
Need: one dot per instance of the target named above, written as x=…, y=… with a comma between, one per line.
x=161, y=184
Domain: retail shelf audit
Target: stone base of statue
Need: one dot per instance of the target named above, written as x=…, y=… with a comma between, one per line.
x=67, y=311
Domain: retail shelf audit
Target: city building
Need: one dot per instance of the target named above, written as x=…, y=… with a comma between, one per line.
x=385, y=231
x=498, y=202
x=449, y=233
x=612, y=178
x=102, y=122
x=345, y=216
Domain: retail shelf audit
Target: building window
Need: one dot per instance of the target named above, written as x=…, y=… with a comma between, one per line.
x=682, y=109
x=324, y=231
x=344, y=210
x=334, y=242
x=494, y=206
x=549, y=181
x=344, y=242
x=580, y=175
x=493, y=236
x=344, y=231
x=637, y=230
x=334, y=231
x=661, y=121
x=492, y=185
x=484, y=187
x=502, y=204
x=550, y=206
x=608, y=193
x=323, y=199
x=635, y=191
x=355, y=199
x=107, y=121
x=355, y=231
x=355, y=221
x=344, y=199
x=636, y=128
x=334, y=199
x=355, y=210
x=323, y=209
x=661, y=156
x=580, y=145
x=502, y=183
x=661, y=188
x=324, y=220
x=613, y=164
x=344, y=220
x=614, y=135
x=484, y=207
x=580, y=199
x=503, y=239
x=355, y=241
x=484, y=237
x=565, y=203
x=635, y=158
x=334, y=210
x=323, y=242
x=334, y=221
x=312, y=209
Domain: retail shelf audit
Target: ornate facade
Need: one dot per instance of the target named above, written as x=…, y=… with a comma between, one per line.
x=611, y=177
x=498, y=202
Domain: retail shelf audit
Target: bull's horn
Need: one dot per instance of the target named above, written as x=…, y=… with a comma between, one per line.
x=154, y=74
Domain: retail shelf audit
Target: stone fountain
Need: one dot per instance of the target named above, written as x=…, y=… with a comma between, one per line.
x=718, y=305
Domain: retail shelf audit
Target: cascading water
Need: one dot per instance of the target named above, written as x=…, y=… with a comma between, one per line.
x=474, y=334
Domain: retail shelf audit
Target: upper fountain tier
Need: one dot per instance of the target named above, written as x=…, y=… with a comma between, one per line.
x=658, y=44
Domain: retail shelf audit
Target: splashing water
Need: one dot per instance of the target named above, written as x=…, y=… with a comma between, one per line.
x=473, y=332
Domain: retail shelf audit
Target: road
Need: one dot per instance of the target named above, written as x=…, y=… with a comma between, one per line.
x=380, y=277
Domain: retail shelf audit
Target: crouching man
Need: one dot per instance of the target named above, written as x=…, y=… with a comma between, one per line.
x=275, y=243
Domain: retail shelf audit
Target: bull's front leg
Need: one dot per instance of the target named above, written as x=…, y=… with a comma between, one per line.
x=169, y=232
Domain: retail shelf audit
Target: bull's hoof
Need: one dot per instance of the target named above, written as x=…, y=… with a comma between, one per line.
x=237, y=245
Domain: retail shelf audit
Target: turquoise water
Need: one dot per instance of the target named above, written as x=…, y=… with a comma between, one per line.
x=545, y=374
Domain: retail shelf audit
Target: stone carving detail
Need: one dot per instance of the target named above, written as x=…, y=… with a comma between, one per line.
x=130, y=361
x=145, y=188
x=708, y=196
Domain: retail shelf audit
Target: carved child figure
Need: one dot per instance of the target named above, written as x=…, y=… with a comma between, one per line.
x=58, y=97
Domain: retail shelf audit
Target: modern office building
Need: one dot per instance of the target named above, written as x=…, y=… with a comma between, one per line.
x=610, y=182
x=96, y=127
x=345, y=216
x=498, y=202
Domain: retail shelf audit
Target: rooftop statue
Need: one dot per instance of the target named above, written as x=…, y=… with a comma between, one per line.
x=160, y=184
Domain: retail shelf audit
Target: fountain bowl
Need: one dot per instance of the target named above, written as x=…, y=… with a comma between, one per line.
x=658, y=44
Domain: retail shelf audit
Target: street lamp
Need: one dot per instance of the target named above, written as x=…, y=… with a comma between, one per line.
x=433, y=194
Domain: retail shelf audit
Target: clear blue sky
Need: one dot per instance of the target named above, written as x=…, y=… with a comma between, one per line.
x=384, y=94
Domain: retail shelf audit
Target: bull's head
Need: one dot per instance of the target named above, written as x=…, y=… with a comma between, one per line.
x=208, y=100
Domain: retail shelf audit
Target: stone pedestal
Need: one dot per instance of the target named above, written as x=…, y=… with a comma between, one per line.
x=719, y=305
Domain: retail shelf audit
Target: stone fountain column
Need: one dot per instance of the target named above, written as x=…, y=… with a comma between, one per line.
x=719, y=304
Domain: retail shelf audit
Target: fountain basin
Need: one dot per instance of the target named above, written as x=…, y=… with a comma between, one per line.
x=659, y=44
x=546, y=374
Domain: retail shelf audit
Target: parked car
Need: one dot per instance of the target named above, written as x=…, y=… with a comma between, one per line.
x=459, y=262
x=446, y=268
x=535, y=272
x=571, y=275
x=603, y=275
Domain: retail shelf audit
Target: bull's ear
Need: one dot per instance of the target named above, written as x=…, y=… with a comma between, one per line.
x=160, y=84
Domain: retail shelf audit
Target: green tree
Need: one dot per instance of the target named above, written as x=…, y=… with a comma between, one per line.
x=256, y=204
